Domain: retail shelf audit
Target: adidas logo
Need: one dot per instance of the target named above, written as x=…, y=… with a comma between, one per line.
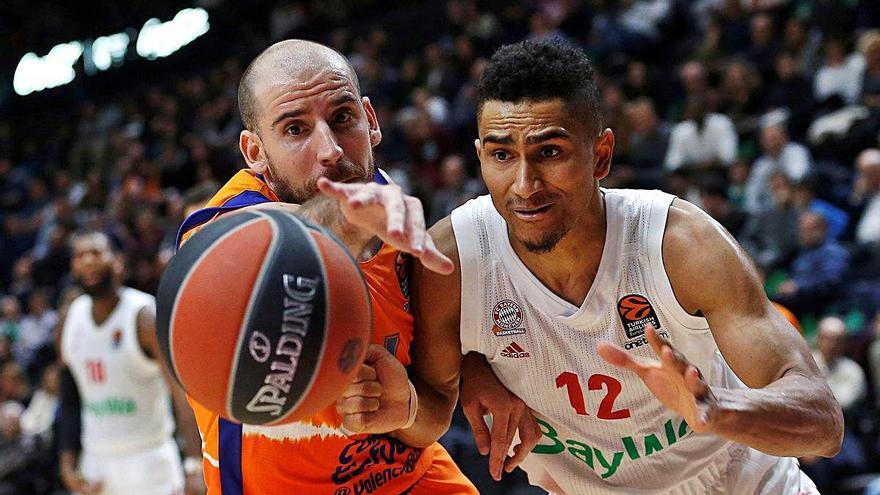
x=514, y=351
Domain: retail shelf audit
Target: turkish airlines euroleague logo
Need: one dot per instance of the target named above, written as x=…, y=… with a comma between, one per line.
x=636, y=313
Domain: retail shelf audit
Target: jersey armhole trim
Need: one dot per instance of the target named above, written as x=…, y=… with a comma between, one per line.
x=656, y=229
x=464, y=226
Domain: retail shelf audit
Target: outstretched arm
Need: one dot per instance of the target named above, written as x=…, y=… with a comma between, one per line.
x=361, y=214
x=788, y=409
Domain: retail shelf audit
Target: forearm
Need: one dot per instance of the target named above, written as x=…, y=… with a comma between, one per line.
x=793, y=416
x=433, y=416
x=325, y=211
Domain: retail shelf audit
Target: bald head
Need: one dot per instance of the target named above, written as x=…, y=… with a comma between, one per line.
x=870, y=158
x=285, y=61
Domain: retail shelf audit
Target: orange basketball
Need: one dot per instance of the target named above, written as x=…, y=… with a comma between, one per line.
x=263, y=318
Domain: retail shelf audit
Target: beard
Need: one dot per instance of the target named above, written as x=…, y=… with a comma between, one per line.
x=344, y=169
x=546, y=243
x=102, y=287
x=547, y=240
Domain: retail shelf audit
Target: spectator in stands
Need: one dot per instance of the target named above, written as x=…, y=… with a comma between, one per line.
x=10, y=318
x=20, y=455
x=740, y=98
x=847, y=382
x=866, y=196
x=840, y=75
x=703, y=140
x=764, y=47
x=40, y=414
x=457, y=188
x=792, y=91
x=780, y=155
x=817, y=273
x=648, y=142
x=36, y=332
x=713, y=199
x=805, y=199
x=770, y=237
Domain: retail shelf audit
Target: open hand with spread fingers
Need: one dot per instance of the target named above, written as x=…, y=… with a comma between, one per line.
x=678, y=384
x=388, y=213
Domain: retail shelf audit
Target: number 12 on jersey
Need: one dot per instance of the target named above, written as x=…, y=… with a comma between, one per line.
x=598, y=381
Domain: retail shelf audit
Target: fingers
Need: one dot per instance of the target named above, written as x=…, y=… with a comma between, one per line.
x=396, y=215
x=336, y=190
x=347, y=406
x=363, y=389
x=499, y=444
x=433, y=259
x=474, y=416
x=616, y=356
x=375, y=353
x=415, y=225
x=654, y=339
x=366, y=373
x=529, y=434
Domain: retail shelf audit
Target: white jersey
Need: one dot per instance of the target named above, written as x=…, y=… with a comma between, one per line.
x=603, y=430
x=126, y=404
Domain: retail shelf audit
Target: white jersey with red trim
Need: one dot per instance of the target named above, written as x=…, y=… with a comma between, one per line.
x=603, y=429
x=126, y=404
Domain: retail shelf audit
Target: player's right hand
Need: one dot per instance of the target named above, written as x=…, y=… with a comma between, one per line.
x=76, y=484
x=482, y=394
x=391, y=215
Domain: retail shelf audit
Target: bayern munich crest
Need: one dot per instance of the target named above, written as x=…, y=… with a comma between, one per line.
x=508, y=318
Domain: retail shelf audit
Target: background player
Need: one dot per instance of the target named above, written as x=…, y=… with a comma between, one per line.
x=108, y=342
x=306, y=123
x=556, y=273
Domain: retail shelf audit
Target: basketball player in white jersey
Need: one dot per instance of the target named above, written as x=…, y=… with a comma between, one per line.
x=629, y=322
x=108, y=342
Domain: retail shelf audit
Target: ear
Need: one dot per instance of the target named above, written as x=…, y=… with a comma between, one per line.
x=251, y=147
x=373, y=121
x=603, y=149
x=478, y=147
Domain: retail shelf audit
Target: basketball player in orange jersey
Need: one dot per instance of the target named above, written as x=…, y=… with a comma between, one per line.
x=630, y=322
x=306, y=124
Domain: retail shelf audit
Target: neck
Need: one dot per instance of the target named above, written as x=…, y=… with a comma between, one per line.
x=104, y=304
x=570, y=269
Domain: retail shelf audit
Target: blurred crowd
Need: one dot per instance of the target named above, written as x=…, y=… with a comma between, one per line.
x=766, y=113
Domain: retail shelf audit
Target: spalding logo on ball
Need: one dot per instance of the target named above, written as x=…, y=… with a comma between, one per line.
x=263, y=318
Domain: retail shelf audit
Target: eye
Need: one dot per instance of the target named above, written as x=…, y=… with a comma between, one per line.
x=500, y=155
x=344, y=117
x=293, y=130
x=550, y=152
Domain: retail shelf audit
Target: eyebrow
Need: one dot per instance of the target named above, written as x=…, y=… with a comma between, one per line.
x=547, y=135
x=536, y=138
x=498, y=138
x=337, y=101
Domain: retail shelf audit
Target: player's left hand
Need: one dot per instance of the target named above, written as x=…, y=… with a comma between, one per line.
x=377, y=400
x=673, y=380
x=195, y=484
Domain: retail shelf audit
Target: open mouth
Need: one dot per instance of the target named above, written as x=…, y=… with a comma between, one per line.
x=531, y=213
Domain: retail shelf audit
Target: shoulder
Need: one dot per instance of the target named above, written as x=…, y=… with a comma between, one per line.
x=703, y=261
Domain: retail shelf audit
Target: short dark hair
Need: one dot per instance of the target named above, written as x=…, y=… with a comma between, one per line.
x=543, y=70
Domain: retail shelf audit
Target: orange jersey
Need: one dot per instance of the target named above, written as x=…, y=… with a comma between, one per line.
x=315, y=456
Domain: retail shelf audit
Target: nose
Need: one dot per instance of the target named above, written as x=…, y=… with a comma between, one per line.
x=528, y=179
x=328, y=150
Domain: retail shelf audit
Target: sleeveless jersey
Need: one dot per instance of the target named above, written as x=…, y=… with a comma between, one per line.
x=316, y=456
x=126, y=405
x=603, y=429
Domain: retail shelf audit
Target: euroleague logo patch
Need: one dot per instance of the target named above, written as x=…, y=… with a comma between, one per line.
x=508, y=318
x=636, y=313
